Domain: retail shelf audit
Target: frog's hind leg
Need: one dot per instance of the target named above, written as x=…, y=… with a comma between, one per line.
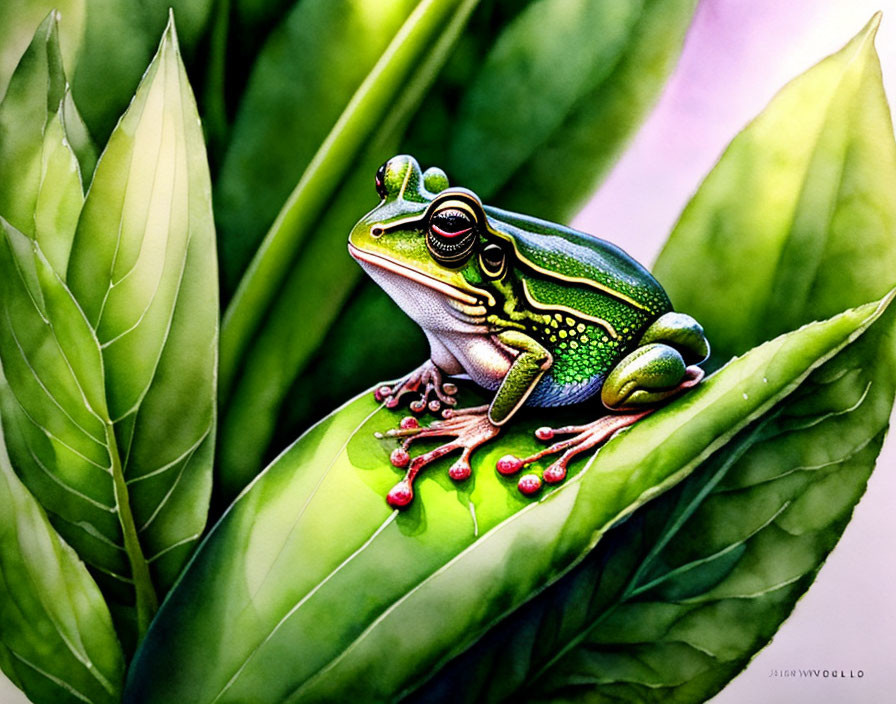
x=470, y=428
x=426, y=382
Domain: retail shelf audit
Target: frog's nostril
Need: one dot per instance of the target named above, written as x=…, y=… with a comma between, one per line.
x=376, y=231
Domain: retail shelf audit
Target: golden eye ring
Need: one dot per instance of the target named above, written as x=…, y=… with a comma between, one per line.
x=452, y=232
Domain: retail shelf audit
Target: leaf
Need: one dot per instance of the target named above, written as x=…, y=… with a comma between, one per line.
x=56, y=634
x=266, y=593
x=127, y=31
x=674, y=602
x=789, y=196
x=321, y=275
x=331, y=374
x=554, y=100
x=595, y=132
x=111, y=383
x=288, y=110
x=143, y=268
x=18, y=18
x=40, y=130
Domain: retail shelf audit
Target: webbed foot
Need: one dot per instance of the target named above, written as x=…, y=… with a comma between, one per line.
x=584, y=438
x=470, y=428
x=426, y=381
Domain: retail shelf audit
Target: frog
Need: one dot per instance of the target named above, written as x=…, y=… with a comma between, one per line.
x=537, y=314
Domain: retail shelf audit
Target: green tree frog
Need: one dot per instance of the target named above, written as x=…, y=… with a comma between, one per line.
x=538, y=313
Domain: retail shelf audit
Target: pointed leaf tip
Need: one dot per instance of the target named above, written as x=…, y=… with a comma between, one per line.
x=170, y=32
x=866, y=36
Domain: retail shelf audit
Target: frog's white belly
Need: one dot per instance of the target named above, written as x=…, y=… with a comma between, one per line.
x=459, y=338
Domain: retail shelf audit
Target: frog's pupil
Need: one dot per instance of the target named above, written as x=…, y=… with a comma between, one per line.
x=493, y=256
x=451, y=236
x=451, y=222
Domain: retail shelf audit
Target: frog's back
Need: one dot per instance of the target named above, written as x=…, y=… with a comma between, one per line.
x=595, y=267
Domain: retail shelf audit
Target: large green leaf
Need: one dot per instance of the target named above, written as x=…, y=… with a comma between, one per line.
x=520, y=137
x=677, y=600
x=797, y=221
x=261, y=611
x=331, y=375
x=106, y=45
x=56, y=635
x=322, y=276
x=111, y=382
x=42, y=139
x=127, y=31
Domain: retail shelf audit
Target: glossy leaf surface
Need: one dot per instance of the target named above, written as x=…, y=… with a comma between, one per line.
x=56, y=637
x=42, y=139
x=110, y=398
x=805, y=195
x=676, y=601
x=266, y=594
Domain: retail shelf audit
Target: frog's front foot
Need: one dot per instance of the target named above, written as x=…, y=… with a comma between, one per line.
x=470, y=428
x=426, y=382
x=583, y=438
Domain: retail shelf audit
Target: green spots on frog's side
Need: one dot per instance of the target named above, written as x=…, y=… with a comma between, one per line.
x=579, y=357
x=583, y=350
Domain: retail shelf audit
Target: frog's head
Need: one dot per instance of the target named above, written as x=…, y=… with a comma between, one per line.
x=425, y=232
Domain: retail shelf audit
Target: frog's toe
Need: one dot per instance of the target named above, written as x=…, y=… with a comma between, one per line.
x=461, y=469
x=426, y=384
x=400, y=495
x=583, y=438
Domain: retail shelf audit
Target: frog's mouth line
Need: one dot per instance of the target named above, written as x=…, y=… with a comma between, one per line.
x=419, y=277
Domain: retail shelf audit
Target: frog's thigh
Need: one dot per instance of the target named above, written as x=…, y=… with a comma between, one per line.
x=526, y=371
x=682, y=332
x=645, y=377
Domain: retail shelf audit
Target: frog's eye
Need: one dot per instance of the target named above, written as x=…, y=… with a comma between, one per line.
x=381, y=181
x=451, y=235
x=492, y=260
